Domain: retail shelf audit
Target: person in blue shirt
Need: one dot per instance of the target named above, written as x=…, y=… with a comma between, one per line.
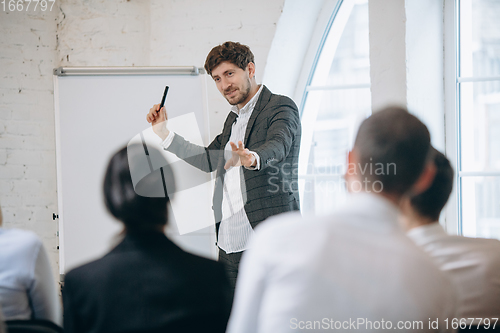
x=27, y=286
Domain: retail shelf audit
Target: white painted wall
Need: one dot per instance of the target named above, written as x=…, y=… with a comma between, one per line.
x=387, y=22
x=290, y=45
x=407, y=59
x=100, y=33
x=425, y=65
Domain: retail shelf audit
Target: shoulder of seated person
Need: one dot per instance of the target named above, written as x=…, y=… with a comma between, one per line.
x=26, y=235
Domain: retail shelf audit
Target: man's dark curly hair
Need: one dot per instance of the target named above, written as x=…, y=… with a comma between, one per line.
x=234, y=52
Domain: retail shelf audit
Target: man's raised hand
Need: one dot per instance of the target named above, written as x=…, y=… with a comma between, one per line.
x=158, y=119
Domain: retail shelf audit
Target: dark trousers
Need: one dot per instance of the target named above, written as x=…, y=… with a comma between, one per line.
x=231, y=262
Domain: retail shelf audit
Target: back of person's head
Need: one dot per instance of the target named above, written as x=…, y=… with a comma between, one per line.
x=392, y=147
x=233, y=52
x=431, y=202
x=139, y=204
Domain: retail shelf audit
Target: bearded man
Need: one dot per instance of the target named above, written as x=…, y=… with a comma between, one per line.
x=255, y=157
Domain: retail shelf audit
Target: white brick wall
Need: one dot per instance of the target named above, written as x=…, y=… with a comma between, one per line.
x=28, y=46
x=103, y=33
x=183, y=32
x=100, y=33
x=3, y=152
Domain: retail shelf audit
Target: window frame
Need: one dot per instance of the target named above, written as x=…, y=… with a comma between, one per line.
x=325, y=26
x=453, y=80
x=452, y=211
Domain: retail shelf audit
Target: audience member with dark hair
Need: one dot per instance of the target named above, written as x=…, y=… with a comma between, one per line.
x=355, y=269
x=27, y=286
x=473, y=264
x=146, y=283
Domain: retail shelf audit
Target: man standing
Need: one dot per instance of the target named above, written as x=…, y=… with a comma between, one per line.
x=473, y=264
x=255, y=157
x=354, y=269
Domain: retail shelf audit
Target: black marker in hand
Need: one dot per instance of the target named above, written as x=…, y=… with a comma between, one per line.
x=163, y=98
x=156, y=118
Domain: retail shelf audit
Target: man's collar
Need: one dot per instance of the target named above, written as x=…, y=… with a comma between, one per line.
x=373, y=211
x=250, y=105
x=426, y=233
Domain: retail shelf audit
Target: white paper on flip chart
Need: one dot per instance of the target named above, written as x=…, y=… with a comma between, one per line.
x=191, y=205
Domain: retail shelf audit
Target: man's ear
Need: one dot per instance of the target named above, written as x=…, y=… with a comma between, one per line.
x=350, y=173
x=425, y=180
x=251, y=69
x=351, y=163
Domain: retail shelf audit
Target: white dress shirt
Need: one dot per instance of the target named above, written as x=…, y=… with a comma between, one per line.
x=356, y=265
x=235, y=229
x=27, y=287
x=472, y=263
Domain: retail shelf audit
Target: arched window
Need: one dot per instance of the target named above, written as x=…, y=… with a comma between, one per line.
x=336, y=99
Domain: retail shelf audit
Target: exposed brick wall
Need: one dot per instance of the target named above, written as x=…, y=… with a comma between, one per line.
x=103, y=33
x=27, y=145
x=183, y=32
x=100, y=33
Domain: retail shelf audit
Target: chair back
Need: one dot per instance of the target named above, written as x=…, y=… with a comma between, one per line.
x=32, y=326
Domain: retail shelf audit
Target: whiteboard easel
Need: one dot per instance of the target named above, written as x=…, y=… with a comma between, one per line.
x=95, y=116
